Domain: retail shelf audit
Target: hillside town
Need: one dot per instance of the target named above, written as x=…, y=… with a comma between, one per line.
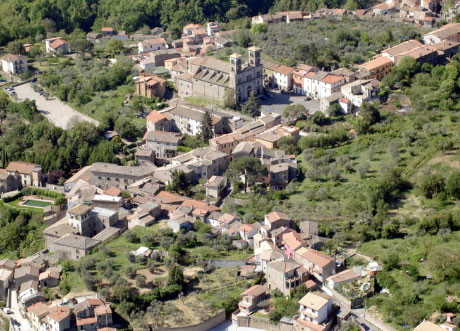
x=216, y=138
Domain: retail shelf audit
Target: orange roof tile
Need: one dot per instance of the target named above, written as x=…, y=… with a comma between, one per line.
x=331, y=79
x=377, y=63
x=276, y=216
x=284, y=70
x=113, y=191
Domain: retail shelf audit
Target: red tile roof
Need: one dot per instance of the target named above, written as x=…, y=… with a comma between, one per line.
x=113, y=191
x=284, y=70
x=156, y=116
x=276, y=216
x=331, y=79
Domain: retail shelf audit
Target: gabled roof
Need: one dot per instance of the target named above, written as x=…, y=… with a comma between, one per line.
x=255, y=291
x=80, y=209
x=284, y=70
x=428, y=326
x=163, y=137
x=331, y=79
x=154, y=41
x=377, y=63
x=276, y=216
x=293, y=240
x=314, y=300
x=13, y=57
x=316, y=257
x=403, y=47
x=57, y=43
x=76, y=241
x=168, y=197
x=59, y=314
x=113, y=191
x=22, y=167
x=156, y=116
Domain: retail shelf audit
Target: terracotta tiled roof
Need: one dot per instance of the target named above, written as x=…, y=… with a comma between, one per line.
x=247, y=228
x=22, y=167
x=276, y=216
x=168, y=197
x=284, y=70
x=58, y=42
x=255, y=290
x=154, y=41
x=317, y=257
x=113, y=191
x=377, y=63
x=12, y=57
x=331, y=79
x=156, y=116
x=59, y=314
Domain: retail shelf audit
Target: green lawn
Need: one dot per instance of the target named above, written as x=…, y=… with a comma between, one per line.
x=202, y=102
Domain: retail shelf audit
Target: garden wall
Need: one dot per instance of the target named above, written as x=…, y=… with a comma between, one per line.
x=206, y=325
x=227, y=263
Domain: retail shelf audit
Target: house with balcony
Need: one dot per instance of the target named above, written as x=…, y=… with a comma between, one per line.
x=314, y=311
x=316, y=263
x=251, y=297
x=14, y=64
x=285, y=275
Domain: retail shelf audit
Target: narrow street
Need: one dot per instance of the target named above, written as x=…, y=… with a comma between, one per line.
x=24, y=323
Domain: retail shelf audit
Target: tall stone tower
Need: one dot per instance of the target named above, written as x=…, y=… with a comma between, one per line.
x=254, y=56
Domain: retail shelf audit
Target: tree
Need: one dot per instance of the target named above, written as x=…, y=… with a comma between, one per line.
x=249, y=167
x=141, y=281
x=369, y=113
x=453, y=185
x=229, y=100
x=180, y=183
x=15, y=47
x=259, y=28
x=82, y=46
x=252, y=106
x=443, y=263
x=431, y=185
x=114, y=47
x=294, y=113
x=206, y=132
x=176, y=276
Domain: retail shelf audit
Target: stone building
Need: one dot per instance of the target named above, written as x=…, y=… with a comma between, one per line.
x=105, y=175
x=31, y=174
x=150, y=86
x=164, y=144
x=9, y=182
x=14, y=64
x=210, y=78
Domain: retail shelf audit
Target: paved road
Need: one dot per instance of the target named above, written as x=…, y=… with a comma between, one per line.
x=280, y=100
x=56, y=111
x=24, y=323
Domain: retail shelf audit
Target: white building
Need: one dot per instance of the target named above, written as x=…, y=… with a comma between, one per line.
x=315, y=308
x=53, y=45
x=283, y=77
x=150, y=45
x=14, y=64
x=212, y=28
x=329, y=85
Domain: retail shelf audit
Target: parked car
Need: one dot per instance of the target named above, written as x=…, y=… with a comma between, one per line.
x=307, y=99
x=7, y=311
x=2, y=80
